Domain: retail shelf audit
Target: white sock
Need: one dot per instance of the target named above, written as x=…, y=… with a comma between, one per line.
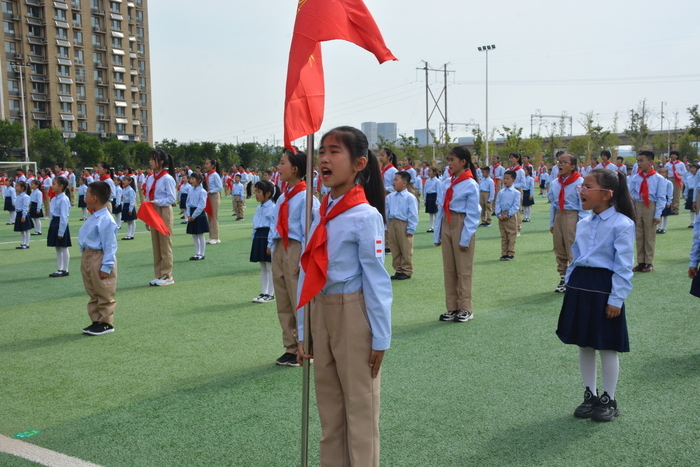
x=59, y=259
x=119, y=220
x=195, y=239
x=266, y=278
x=664, y=222
x=25, y=237
x=37, y=225
x=132, y=228
x=586, y=360
x=199, y=244
x=13, y=216
x=85, y=213
x=693, y=216
x=432, y=221
x=610, y=363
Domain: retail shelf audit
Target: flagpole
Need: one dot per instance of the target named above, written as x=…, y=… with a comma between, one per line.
x=306, y=382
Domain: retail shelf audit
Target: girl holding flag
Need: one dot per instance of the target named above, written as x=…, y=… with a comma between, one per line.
x=160, y=191
x=457, y=220
x=349, y=289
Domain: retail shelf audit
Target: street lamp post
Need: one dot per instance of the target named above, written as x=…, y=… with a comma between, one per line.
x=19, y=66
x=486, y=48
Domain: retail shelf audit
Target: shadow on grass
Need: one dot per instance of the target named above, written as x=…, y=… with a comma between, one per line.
x=217, y=308
x=33, y=344
x=671, y=369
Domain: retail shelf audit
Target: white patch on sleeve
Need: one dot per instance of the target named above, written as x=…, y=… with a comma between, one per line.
x=379, y=246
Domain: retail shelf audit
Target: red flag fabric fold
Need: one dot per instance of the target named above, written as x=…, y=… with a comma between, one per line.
x=318, y=21
x=208, y=209
x=150, y=216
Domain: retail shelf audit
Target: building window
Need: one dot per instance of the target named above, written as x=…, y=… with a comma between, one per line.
x=13, y=86
x=97, y=75
x=144, y=132
x=62, y=52
x=9, y=27
x=79, y=56
x=82, y=125
x=117, y=42
x=64, y=89
x=77, y=20
x=143, y=100
x=33, y=12
x=97, y=58
x=39, y=106
x=37, y=69
x=66, y=108
x=10, y=47
x=95, y=4
x=35, y=31
x=7, y=8
x=139, y=33
x=117, y=59
x=41, y=88
x=99, y=93
x=144, y=117
x=80, y=74
x=141, y=49
x=142, y=83
x=78, y=38
x=36, y=50
x=142, y=66
x=60, y=14
x=114, y=7
x=120, y=112
x=139, y=16
x=116, y=25
x=62, y=33
x=95, y=22
x=82, y=110
x=96, y=40
x=119, y=94
x=67, y=125
x=80, y=91
x=118, y=77
x=63, y=70
x=14, y=104
x=121, y=128
x=100, y=111
x=75, y=4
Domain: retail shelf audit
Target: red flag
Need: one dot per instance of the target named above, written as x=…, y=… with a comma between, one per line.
x=150, y=216
x=208, y=209
x=318, y=21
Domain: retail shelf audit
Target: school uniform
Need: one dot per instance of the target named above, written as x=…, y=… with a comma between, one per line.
x=646, y=213
x=529, y=191
x=22, y=204
x=263, y=221
x=600, y=275
x=10, y=197
x=47, y=194
x=238, y=193
x=676, y=174
x=487, y=195
x=163, y=198
x=496, y=173
x=402, y=218
x=667, y=211
x=82, y=190
x=71, y=187
x=285, y=261
x=215, y=186
x=60, y=211
x=695, y=258
x=117, y=208
x=607, y=165
x=184, y=190
x=97, y=239
x=430, y=190
x=563, y=219
x=128, y=207
x=508, y=200
x=544, y=177
x=388, y=172
x=689, y=189
x=455, y=229
x=350, y=317
x=196, y=202
x=112, y=192
x=35, y=204
x=520, y=185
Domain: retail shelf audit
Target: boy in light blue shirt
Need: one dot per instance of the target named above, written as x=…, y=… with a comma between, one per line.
x=507, y=206
x=402, y=219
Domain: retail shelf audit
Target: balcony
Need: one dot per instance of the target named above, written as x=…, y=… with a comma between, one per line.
x=99, y=47
x=77, y=25
x=80, y=79
x=102, y=100
x=97, y=12
x=103, y=118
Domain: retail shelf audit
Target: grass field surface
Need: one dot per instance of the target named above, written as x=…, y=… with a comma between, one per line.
x=188, y=378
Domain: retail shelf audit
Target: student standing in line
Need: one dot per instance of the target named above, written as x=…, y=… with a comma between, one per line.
x=430, y=191
x=285, y=243
x=197, y=224
x=117, y=208
x=97, y=239
x=487, y=196
x=82, y=190
x=238, y=194
x=676, y=172
x=389, y=162
x=402, y=220
x=516, y=161
x=129, y=206
x=564, y=213
x=350, y=300
x=667, y=204
x=160, y=190
x=528, y=194
x=183, y=188
x=35, y=204
x=106, y=174
x=59, y=232
x=598, y=281
x=507, y=207
x=690, y=191
x=263, y=221
x=497, y=171
x=23, y=221
x=457, y=221
x=213, y=178
x=10, y=195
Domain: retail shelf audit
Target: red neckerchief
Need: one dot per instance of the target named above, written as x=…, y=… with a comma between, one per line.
x=385, y=168
x=283, y=215
x=104, y=177
x=516, y=168
x=569, y=180
x=644, y=187
x=676, y=175
x=619, y=166
x=315, y=257
x=209, y=173
x=448, y=195
x=152, y=192
x=606, y=164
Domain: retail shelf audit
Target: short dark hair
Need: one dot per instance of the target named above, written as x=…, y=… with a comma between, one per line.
x=512, y=174
x=405, y=176
x=101, y=190
x=486, y=169
x=265, y=186
x=675, y=153
x=648, y=154
x=606, y=153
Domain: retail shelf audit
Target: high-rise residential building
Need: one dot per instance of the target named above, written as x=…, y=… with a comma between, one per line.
x=387, y=130
x=84, y=66
x=370, y=131
x=421, y=136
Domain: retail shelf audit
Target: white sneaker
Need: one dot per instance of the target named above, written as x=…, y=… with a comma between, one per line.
x=213, y=241
x=259, y=298
x=267, y=299
x=155, y=282
x=166, y=281
x=518, y=234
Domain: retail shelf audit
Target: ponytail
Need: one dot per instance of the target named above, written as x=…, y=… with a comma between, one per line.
x=215, y=163
x=617, y=183
x=63, y=182
x=392, y=156
x=165, y=159
x=463, y=153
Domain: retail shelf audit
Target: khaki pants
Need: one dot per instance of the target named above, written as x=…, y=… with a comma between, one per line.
x=140, y=192
x=509, y=232
x=238, y=205
x=285, y=280
x=486, y=206
x=346, y=394
x=47, y=204
x=563, y=236
x=519, y=214
x=101, y=306
x=645, y=232
x=675, y=204
x=401, y=246
x=163, y=245
x=214, y=200
x=457, y=265
x=71, y=196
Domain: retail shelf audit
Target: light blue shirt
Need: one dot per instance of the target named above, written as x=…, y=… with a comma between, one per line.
x=519, y=183
x=297, y=218
x=488, y=185
x=695, y=249
x=402, y=205
x=389, y=179
x=185, y=189
x=669, y=192
x=238, y=189
x=112, y=188
x=22, y=204
x=129, y=197
x=497, y=172
x=264, y=216
x=606, y=241
x=465, y=199
x=60, y=207
x=82, y=189
x=572, y=199
x=657, y=191
x=197, y=198
x=99, y=232
x=530, y=184
x=118, y=194
x=508, y=199
x=356, y=262
x=11, y=193
x=214, y=182
x=431, y=186
x=36, y=197
x=165, y=192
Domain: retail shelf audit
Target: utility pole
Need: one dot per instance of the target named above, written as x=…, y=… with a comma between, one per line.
x=436, y=100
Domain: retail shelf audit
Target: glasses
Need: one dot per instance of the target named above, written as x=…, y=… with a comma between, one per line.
x=564, y=162
x=582, y=189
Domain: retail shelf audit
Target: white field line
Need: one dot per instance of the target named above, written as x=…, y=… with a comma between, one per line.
x=40, y=455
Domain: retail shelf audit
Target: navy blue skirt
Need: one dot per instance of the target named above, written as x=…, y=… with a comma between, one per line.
x=126, y=217
x=81, y=201
x=183, y=200
x=20, y=226
x=116, y=208
x=258, y=252
x=430, y=203
x=526, y=198
x=543, y=184
x=582, y=319
x=33, y=208
x=52, y=238
x=666, y=212
x=689, y=199
x=8, y=202
x=199, y=225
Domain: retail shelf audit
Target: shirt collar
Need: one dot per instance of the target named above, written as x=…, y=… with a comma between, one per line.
x=608, y=213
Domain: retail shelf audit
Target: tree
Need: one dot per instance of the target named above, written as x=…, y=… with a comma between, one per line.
x=10, y=138
x=694, y=128
x=228, y=156
x=46, y=147
x=686, y=147
x=408, y=147
x=116, y=153
x=637, y=130
x=513, y=138
x=532, y=147
x=660, y=143
x=579, y=146
x=87, y=150
x=479, y=143
x=140, y=154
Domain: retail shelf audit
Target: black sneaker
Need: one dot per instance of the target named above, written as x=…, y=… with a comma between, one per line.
x=402, y=276
x=35, y=233
x=561, y=288
x=99, y=329
x=605, y=410
x=59, y=274
x=448, y=315
x=648, y=268
x=287, y=359
x=638, y=268
x=463, y=316
x=585, y=410
x=85, y=329
x=430, y=230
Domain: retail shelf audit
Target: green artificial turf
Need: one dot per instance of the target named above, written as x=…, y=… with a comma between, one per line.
x=188, y=377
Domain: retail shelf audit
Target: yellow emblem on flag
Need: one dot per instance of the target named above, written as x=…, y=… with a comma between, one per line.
x=301, y=4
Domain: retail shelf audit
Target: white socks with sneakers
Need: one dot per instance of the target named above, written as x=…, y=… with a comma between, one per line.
x=610, y=363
